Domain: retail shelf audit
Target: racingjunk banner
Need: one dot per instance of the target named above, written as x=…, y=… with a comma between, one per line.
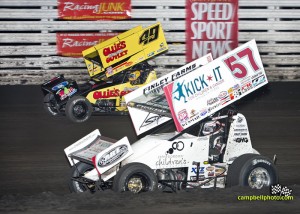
x=211, y=27
x=72, y=44
x=94, y=9
x=143, y=100
x=215, y=85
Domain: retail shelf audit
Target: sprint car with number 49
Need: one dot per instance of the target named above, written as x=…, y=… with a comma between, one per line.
x=116, y=66
x=218, y=154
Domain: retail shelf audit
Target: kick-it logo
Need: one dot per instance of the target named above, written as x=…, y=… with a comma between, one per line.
x=185, y=89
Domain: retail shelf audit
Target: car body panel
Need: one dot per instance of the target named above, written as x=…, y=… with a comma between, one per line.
x=125, y=50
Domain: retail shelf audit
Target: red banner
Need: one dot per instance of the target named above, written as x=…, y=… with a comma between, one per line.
x=211, y=27
x=72, y=44
x=94, y=9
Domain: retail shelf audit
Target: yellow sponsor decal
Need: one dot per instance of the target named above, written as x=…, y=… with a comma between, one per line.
x=125, y=50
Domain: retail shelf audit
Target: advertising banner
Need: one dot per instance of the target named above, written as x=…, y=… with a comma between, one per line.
x=211, y=27
x=72, y=44
x=94, y=9
x=215, y=85
x=140, y=102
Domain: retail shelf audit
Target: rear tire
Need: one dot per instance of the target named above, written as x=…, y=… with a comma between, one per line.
x=78, y=109
x=77, y=171
x=50, y=104
x=252, y=170
x=136, y=178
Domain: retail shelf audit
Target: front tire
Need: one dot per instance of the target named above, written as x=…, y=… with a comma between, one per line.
x=253, y=170
x=136, y=178
x=78, y=109
x=77, y=171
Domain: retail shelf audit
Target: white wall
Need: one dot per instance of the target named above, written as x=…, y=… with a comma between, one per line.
x=28, y=27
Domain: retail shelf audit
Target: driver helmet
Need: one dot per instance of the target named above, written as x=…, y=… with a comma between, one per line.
x=134, y=75
x=210, y=127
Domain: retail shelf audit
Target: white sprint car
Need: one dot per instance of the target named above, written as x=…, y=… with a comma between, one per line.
x=197, y=97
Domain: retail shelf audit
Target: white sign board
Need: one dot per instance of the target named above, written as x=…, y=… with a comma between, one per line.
x=215, y=85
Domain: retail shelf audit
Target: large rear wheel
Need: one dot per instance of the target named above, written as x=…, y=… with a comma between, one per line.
x=50, y=104
x=136, y=178
x=78, y=109
x=76, y=173
x=252, y=170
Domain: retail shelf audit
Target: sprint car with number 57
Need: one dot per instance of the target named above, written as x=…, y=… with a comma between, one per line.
x=116, y=66
x=218, y=154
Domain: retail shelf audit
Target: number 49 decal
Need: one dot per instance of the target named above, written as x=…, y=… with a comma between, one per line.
x=149, y=35
x=237, y=68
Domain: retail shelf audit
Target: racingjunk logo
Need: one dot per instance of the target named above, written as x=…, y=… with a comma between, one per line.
x=72, y=44
x=94, y=9
x=102, y=8
x=69, y=42
x=113, y=155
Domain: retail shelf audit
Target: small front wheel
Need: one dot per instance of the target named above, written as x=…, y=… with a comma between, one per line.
x=252, y=170
x=78, y=109
x=136, y=178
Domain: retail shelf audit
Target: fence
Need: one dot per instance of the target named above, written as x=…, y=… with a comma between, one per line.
x=28, y=37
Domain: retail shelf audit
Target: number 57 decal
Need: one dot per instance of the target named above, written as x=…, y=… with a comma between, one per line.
x=237, y=68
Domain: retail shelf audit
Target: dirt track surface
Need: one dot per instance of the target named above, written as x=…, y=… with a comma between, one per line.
x=34, y=170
